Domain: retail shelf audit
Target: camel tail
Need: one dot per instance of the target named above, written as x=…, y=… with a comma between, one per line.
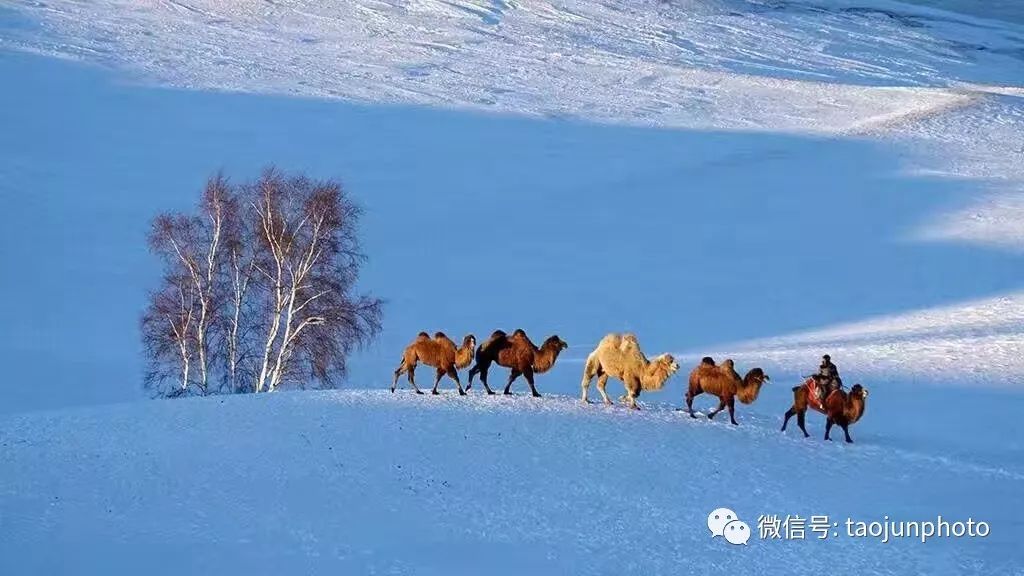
x=592, y=365
x=402, y=366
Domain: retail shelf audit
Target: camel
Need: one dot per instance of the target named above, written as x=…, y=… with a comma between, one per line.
x=724, y=382
x=439, y=352
x=519, y=354
x=840, y=408
x=619, y=356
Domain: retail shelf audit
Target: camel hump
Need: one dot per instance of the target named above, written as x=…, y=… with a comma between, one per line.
x=727, y=368
x=422, y=336
x=496, y=341
x=707, y=361
x=629, y=343
x=520, y=336
x=705, y=370
x=440, y=335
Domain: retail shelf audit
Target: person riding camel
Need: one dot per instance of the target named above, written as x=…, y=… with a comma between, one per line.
x=827, y=378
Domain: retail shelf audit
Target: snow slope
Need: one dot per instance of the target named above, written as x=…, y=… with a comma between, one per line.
x=690, y=63
x=371, y=483
x=903, y=123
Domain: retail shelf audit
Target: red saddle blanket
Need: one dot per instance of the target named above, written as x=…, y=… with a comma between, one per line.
x=814, y=399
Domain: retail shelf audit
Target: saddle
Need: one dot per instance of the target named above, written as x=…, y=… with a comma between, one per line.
x=816, y=388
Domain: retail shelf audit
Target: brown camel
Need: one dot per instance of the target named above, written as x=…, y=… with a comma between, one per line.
x=439, y=352
x=724, y=382
x=519, y=354
x=839, y=408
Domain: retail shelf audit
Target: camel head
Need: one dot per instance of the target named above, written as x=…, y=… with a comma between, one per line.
x=464, y=354
x=751, y=387
x=857, y=391
x=548, y=353
x=851, y=408
x=658, y=371
x=555, y=343
x=668, y=362
x=756, y=376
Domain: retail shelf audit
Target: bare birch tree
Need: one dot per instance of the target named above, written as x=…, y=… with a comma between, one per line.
x=238, y=326
x=258, y=289
x=191, y=246
x=167, y=328
x=309, y=259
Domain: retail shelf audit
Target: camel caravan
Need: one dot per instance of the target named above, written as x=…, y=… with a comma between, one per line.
x=619, y=356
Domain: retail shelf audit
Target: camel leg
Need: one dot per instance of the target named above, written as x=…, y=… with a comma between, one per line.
x=588, y=375
x=630, y=400
x=689, y=403
x=483, y=378
x=398, y=372
x=800, y=417
x=732, y=411
x=584, y=389
x=528, y=373
x=846, y=430
x=632, y=391
x=721, y=406
x=511, y=378
x=785, y=419
x=602, y=381
x=455, y=376
x=437, y=380
x=412, y=380
x=828, y=427
x=472, y=372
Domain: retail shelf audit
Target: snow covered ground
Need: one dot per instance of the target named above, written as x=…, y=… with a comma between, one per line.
x=769, y=180
x=373, y=483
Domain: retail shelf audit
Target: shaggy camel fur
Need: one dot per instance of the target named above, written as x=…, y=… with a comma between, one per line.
x=439, y=352
x=619, y=356
x=519, y=354
x=840, y=408
x=724, y=382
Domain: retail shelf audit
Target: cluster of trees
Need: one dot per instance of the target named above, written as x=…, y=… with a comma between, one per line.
x=258, y=289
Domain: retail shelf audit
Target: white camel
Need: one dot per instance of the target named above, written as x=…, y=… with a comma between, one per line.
x=619, y=355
